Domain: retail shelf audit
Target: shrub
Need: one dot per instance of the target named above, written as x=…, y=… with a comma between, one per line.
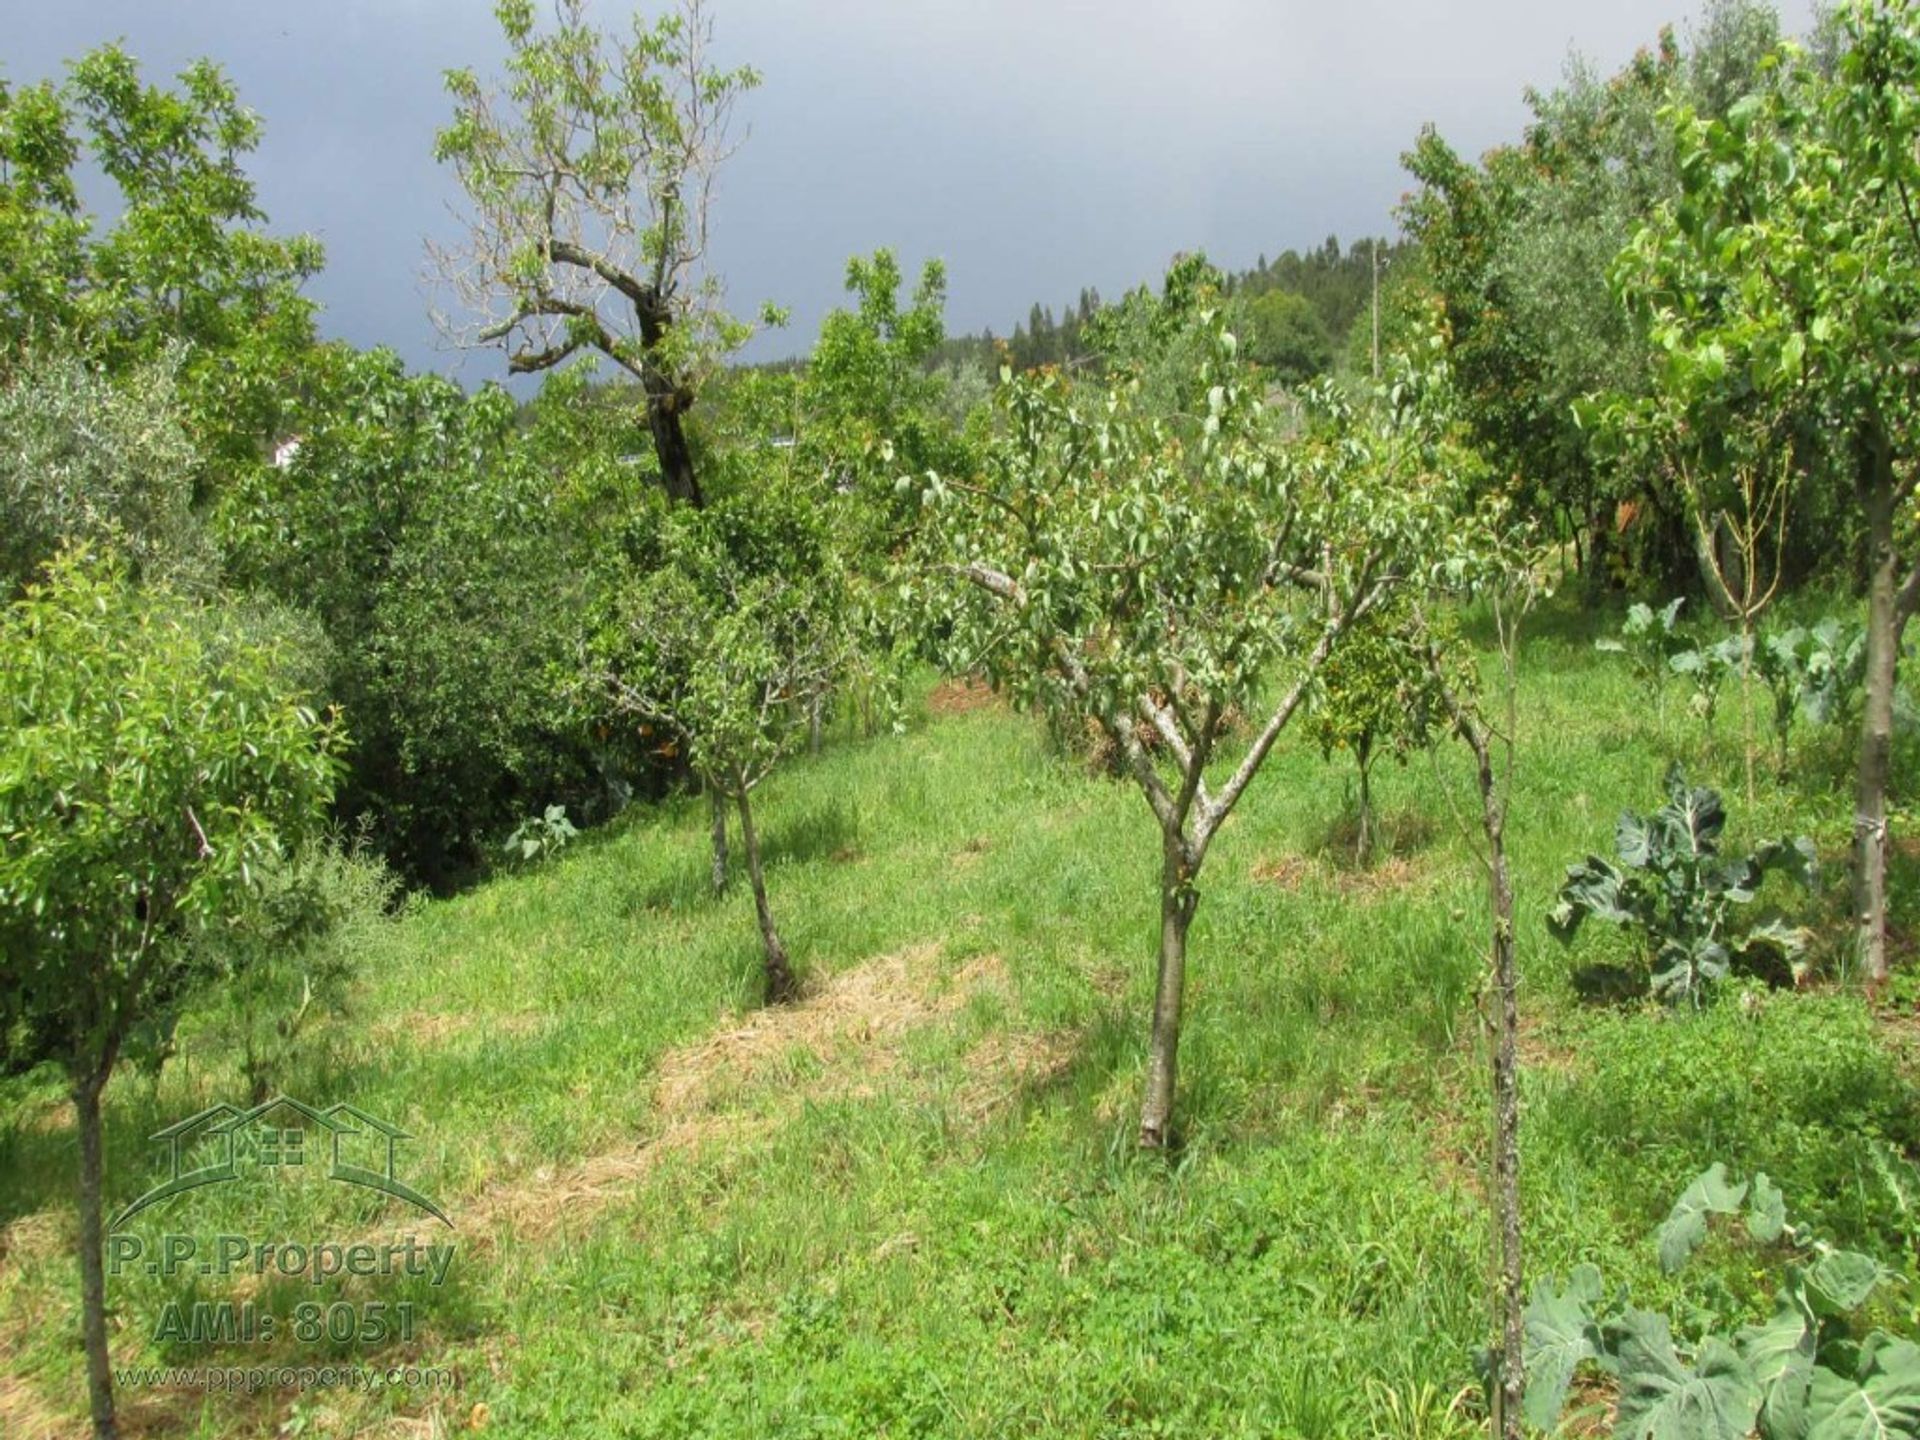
x=287, y=968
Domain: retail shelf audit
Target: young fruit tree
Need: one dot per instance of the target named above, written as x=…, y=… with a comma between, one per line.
x=152, y=768
x=1375, y=697
x=1499, y=566
x=740, y=619
x=1150, y=576
x=1787, y=274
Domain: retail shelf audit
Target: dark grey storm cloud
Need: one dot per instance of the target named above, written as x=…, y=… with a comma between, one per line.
x=1035, y=145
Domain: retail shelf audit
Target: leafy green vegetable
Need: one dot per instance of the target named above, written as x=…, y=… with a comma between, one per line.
x=1686, y=1226
x=1650, y=639
x=1801, y=1375
x=1662, y=1398
x=1781, y=1355
x=1766, y=1210
x=1881, y=1403
x=1676, y=893
x=1561, y=1333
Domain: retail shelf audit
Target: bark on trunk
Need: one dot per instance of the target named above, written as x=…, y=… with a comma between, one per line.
x=1363, y=843
x=675, y=456
x=666, y=400
x=815, y=707
x=1876, y=730
x=93, y=1278
x=780, y=982
x=1178, y=900
x=718, y=802
x=1748, y=639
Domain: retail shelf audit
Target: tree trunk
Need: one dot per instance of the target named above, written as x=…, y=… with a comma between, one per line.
x=718, y=802
x=1363, y=844
x=1876, y=730
x=93, y=1278
x=1511, y=1377
x=1748, y=640
x=815, y=707
x=780, y=983
x=666, y=399
x=675, y=456
x=1178, y=900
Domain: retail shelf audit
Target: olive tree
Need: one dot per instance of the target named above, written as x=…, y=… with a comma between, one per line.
x=86, y=457
x=152, y=766
x=1787, y=275
x=721, y=642
x=1153, y=574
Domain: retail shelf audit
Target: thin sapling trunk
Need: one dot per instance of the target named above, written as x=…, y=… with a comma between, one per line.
x=1495, y=787
x=1744, y=585
x=1506, y=1099
x=1363, y=843
x=781, y=986
x=718, y=803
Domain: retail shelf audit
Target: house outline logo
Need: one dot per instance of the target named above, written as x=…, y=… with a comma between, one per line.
x=232, y=1130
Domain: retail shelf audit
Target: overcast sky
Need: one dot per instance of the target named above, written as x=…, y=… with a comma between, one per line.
x=1035, y=145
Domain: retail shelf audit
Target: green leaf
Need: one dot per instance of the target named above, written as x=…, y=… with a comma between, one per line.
x=1840, y=1281
x=1766, y=1210
x=1780, y=1354
x=1793, y=355
x=1592, y=888
x=1661, y=1398
x=1883, y=1404
x=1560, y=1333
x=1686, y=1225
x=1633, y=841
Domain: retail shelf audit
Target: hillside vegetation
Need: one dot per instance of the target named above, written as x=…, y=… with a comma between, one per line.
x=911, y=1204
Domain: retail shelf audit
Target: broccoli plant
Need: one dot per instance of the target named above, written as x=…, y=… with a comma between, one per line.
x=1677, y=894
x=1802, y=1374
x=1649, y=639
x=1814, y=673
x=1710, y=667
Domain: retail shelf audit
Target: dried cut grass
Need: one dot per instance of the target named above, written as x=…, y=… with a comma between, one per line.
x=1389, y=876
x=717, y=1093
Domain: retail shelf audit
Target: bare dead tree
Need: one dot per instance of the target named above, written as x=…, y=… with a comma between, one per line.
x=589, y=171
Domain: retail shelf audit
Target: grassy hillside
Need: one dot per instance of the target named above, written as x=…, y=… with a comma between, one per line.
x=911, y=1206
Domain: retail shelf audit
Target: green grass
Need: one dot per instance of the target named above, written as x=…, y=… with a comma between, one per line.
x=962, y=1241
